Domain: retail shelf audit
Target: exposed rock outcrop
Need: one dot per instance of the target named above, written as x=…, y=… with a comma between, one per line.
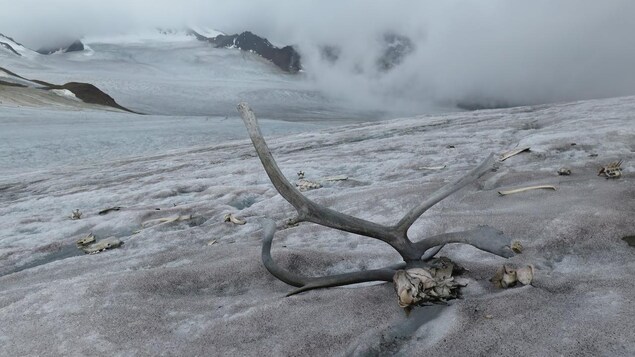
x=85, y=92
x=286, y=58
x=395, y=48
x=8, y=47
x=75, y=46
x=9, y=43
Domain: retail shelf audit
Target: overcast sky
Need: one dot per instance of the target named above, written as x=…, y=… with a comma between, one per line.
x=528, y=51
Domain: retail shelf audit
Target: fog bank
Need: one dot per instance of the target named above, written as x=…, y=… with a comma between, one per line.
x=498, y=52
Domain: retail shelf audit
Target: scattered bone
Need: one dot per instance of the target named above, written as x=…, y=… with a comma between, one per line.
x=507, y=277
x=525, y=274
x=419, y=286
x=306, y=185
x=517, y=247
x=563, y=171
x=212, y=242
x=523, y=189
x=108, y=243
x=76, y=214
x=229, y=217
x=90, y=238
x=335, y=178
x=108, y=210
x=175, y=218
x=514, y=152
x=612, y=170
x=414, y=254
x=432, y=167
x=489, y=317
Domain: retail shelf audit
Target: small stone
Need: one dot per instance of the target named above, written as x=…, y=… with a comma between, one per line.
x=630, y=240
x=563, y=171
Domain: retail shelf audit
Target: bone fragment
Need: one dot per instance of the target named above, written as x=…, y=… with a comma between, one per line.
x=90, y=238
x=108, y=243
x=335, y=178
x=523, y=189
x=432, y=167
x=229, y=217
x=514, y=152
x=175, y=218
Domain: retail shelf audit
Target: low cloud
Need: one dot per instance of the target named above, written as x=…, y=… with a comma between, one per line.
x=496, y=52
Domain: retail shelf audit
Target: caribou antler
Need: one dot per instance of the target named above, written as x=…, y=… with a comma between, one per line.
x=413, y=254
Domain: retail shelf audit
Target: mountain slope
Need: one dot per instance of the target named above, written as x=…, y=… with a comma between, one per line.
x=17, y=90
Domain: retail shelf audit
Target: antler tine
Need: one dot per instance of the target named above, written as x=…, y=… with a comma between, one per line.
x=485, y=238
x=311, y=211
x=307, y=283
x=411, y=217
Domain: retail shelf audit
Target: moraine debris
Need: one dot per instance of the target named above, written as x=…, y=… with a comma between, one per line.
x=612, y=170
x=229, y=217
x=523, y=189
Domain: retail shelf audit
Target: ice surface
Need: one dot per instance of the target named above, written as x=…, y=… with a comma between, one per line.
x=197, y=287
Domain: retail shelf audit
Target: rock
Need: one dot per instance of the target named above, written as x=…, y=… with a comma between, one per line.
x=286, y=58
x=74, y=46
x=396, y=48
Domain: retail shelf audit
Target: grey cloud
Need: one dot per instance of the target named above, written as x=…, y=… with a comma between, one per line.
x=516, y=52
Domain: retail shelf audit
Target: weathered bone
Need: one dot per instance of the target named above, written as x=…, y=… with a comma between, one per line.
x=413, y=254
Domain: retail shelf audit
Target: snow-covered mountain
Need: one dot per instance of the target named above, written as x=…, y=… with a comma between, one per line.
x=171, y=72
x=73, y=46
x=286, y=58
x=10, y=46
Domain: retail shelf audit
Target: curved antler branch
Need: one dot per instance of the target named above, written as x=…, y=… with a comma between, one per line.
x=413, y=254
x=404, y=224
x=309, y=283
x=485, y=238
x=309, y=210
